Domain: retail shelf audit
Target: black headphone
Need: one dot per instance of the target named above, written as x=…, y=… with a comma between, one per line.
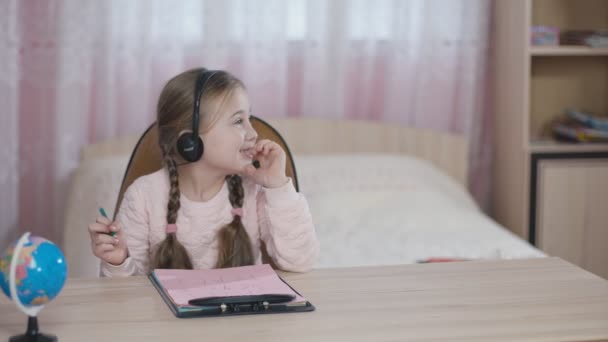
x=190, y=145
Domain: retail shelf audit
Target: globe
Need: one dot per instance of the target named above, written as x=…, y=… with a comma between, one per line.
x=40, y=272
x=32, y=269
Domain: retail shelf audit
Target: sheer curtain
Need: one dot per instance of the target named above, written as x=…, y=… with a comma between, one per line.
x=75, y=72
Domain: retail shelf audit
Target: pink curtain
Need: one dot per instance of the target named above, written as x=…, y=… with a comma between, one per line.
x=75, y=72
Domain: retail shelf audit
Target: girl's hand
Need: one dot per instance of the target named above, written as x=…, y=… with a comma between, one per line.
x=271, y=173
x=111, y=249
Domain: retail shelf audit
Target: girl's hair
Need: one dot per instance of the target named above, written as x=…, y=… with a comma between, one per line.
x=174, y=115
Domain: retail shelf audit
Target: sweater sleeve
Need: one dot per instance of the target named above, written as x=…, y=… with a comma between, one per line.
x=287, y=229
x=133, y=219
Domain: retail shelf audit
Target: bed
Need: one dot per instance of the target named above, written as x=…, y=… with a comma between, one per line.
x=379, y=194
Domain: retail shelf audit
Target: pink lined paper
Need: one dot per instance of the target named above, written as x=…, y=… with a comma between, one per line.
x=184, y=285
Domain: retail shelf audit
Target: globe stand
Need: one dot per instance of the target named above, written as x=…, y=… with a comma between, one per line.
x=32, y=334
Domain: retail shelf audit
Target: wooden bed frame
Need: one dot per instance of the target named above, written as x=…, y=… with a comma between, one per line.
x=325, y=136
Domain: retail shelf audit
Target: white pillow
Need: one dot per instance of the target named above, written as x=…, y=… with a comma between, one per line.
x=323, y=174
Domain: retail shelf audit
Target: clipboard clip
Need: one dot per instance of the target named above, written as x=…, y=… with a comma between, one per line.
x=242, y=303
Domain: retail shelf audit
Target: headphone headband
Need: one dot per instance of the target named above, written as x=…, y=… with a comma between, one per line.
x=201, y=82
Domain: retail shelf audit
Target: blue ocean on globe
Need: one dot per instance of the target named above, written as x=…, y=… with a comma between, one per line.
x=40, y=274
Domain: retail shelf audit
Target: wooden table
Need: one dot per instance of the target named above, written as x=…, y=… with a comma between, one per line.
x=544, y=299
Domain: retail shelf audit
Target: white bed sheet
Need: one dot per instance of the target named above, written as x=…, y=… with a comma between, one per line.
x=391, y=209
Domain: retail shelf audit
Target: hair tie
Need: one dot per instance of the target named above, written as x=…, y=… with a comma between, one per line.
x=237, y=212
x=171, y=228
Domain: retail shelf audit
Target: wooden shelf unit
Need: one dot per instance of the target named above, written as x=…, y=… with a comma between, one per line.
x=534, y=85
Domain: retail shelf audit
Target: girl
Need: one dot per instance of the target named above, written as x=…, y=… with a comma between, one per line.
x=212, y=209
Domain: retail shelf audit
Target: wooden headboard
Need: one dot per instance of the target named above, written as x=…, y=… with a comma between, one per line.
x=326, y=136
x=322, y=136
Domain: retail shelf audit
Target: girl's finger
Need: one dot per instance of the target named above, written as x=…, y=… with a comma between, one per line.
x=98, y=228
x=260, y=144
x=266, y=146
x=105, y=247
x=273, y=147
x=104, y=238
x=103, y=220
x=256, y=154
x=115, y=226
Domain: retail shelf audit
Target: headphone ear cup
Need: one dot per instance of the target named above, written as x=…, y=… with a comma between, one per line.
x=189, y=147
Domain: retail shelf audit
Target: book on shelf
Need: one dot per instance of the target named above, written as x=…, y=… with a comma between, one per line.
x=588, y=119
x=591, y=38
x=577, y=132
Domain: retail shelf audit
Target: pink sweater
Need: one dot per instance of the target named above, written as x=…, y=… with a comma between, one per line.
x=279, y=217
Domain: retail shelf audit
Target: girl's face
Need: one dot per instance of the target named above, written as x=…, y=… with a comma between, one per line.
x=230, y=139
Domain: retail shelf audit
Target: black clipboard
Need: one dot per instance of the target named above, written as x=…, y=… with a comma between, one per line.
x=231, y=310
